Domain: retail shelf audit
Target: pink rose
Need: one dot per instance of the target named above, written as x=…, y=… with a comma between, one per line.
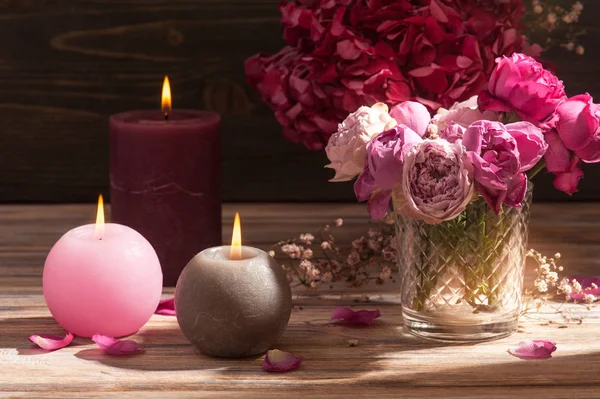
x=568, y=180
x=578, y=127
x=520, y=84
x=385, y=154
x=365, y=189
x=384, y=168
x=501, y=155
x=437, y=182
x=563, y=163
x=530, y=143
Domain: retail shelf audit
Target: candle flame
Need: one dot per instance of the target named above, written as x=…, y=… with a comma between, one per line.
x=165, y=104
x=236, y=239
x=100, y=219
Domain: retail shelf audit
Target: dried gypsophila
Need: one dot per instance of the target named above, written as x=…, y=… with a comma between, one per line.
x=550, y=285
x=314, y=259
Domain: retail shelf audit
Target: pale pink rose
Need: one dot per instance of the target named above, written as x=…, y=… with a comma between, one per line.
x=437, y=182
x=347, y=148
x=463, y=114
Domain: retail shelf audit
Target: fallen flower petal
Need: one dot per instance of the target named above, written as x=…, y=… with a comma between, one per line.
x=51, y=342
x=533, y=349
x=348, y=316
x=114, y=347
x=166, y=307
x=103, y=341
x=280, y=361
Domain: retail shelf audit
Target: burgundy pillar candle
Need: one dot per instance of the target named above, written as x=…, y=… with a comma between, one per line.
x=166, y=183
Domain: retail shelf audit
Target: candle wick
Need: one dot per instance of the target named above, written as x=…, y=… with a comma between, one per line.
x=166, y=116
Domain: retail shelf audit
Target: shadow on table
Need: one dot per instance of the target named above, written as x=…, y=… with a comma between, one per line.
x=165, y=358
x=165, y=349
x=566, y=372
x=168, y=350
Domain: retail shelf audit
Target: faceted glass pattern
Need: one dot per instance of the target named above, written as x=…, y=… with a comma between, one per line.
x=462, y=280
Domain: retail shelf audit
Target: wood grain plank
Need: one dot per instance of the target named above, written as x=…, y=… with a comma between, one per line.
x=30, y=231
x=550, y=392
x=385, y=363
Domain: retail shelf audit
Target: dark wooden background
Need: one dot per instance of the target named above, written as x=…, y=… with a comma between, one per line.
x=66, y=65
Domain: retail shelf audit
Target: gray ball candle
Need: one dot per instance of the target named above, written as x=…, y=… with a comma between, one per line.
x=233, y=301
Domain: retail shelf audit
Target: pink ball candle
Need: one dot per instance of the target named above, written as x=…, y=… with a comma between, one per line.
x=102, y=282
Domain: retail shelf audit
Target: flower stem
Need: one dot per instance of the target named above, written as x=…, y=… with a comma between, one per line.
x=537, y=169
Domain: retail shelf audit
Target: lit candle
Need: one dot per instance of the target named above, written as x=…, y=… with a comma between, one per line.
x=102, y=279
x=165, y=180
x=233, y=301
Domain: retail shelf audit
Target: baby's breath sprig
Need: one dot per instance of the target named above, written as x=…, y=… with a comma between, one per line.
x=311, y=259
x=550, y=284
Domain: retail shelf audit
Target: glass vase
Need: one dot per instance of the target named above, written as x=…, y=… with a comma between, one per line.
x=462, y=280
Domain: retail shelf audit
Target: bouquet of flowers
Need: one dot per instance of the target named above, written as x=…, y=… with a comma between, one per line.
x=458, y=182
x=347, y=53
x=433, y=167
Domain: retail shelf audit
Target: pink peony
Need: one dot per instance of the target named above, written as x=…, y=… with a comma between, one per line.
x=578, y=126
x=452, y=133
x=575, y=138
x=437, y=182
x=385, y=155
x=412, y=115
x=520, y=84
x=384, y=168
x=563, y=163
x=501, y=155
x=347, y=148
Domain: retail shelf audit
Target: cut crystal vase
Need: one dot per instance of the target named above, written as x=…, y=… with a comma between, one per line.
x=462, y=280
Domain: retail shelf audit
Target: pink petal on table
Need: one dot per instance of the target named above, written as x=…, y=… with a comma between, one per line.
x=51, y=342
x=348, y=316
x=280, y=361
x=533, y=349
x=114, y=347
x=166, y=307
x=586, y=285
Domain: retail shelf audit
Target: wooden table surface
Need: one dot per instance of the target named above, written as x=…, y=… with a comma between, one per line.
x=386, y=364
